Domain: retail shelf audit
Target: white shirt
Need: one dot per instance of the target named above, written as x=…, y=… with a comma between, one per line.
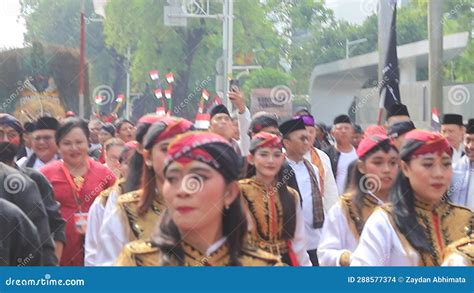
x=215, y=246
x=457, y=153
x=379, y=245
x=331, y=194
x=38, y=163
x=298, y=243
x=342, y=165
x=94, y=222
x=470, y=193
x=244, y=124
x=114, y=234
x=304, y=185
x=336, y=237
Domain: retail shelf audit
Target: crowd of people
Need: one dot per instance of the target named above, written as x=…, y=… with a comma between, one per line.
x=245, y=191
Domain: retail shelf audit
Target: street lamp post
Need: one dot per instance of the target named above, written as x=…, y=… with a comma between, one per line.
x=82, y=63
x=352, y=43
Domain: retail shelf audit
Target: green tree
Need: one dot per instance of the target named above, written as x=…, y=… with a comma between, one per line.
x=189, y=52
x=58, y=23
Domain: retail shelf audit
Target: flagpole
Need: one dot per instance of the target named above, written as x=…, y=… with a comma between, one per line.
x=82, y=63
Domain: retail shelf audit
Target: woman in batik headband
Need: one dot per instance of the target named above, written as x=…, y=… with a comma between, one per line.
x=370, y=181
x=137, y=212
x=419, y=223
x=277, y=224
x=204, y=224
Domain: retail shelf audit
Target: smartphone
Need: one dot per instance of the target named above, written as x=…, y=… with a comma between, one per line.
x=234, y=85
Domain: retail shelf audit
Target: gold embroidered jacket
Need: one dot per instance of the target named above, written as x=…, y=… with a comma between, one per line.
x=442, y=225
x=146, y=253
x=141, y=226
x=265, y=209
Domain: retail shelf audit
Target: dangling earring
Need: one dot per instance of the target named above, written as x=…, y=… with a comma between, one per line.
x=227, y=206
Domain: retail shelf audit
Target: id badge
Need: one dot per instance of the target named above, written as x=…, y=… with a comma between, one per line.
x=80, y=220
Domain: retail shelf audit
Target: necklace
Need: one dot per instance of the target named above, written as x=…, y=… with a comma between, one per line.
x=79, y=181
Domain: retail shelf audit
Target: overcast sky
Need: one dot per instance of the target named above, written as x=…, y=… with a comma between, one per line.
x=11, y=28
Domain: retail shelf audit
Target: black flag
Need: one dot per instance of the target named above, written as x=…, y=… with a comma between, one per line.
x=389, y=87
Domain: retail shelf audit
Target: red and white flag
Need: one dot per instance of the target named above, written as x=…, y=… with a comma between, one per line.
x=120, y=98
x=217, y=101
x=170, y=77
x=98, y=99
x=202, y=121
x=435, y=125
x=205, y=94
x=154, y=74
x=158, y=94
x=168, y=94
x=160, y=111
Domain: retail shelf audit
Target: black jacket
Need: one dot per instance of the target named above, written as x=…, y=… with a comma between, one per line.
x=333, y=155
x=19, y=239
x=289, y=177
x=20, y=190
x=56, y=222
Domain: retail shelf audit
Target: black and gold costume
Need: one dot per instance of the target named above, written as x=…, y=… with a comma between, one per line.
x=266, y=212
x=442, y=225
x=146, y=253
x=141, y=226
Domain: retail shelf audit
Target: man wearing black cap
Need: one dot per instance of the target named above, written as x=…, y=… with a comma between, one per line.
x=343, y=152
x=221, y=124
x=297, y=144
x=44, y=144
x=18, y=188
x=452, y=128
x=461, y=191
x=397, y=113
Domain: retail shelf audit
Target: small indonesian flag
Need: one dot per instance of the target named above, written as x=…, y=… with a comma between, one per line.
x=202, y=121
x=435, y=125
x=158, y=94
x=205, y=94
x=217, y=101
x=160, y=111
x=98, y=99
x=168, y=94
x=120, y=98
x=154, y=75
x=170, y=77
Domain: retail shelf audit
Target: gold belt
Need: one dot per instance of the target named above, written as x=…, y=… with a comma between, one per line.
x=275, y=248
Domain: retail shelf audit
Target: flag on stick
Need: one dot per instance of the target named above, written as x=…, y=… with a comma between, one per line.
x=120, y=98
x=389, y=86
x=154, y=75
x=170, y=77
